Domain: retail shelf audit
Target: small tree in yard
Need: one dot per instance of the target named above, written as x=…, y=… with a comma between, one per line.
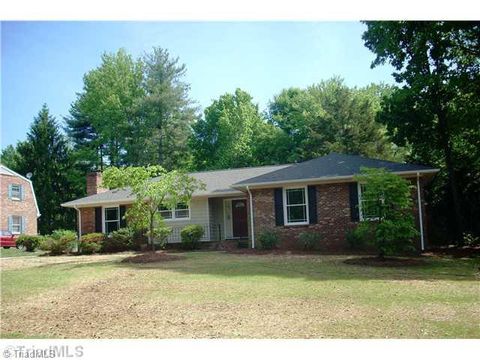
x=388, y=196
x=167, y=190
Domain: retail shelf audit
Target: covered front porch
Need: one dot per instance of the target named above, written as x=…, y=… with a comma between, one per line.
x=224, y=218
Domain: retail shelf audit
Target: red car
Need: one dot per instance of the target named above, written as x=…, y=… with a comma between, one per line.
x=7, y=239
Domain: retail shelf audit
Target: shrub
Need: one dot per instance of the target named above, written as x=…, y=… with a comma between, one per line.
x=363, y=234
x=390, y=198
x=139, y=239
x=29, y=242
x=160, y=235
x=91, y=243
x=471, y=240
x=191, y=236
x=59, y=242
x=309, y=240
x=120, y=240
x=268, y=240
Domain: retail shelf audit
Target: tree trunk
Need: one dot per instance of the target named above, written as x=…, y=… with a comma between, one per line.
x=150, y=233
x=452, y=177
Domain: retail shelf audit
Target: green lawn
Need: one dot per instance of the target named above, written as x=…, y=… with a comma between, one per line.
x=14, y=252
x=215, y=295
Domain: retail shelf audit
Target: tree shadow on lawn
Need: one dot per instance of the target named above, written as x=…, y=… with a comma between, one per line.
x=311, y=267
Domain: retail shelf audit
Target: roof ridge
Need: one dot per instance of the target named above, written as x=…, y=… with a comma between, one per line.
x=240, y=168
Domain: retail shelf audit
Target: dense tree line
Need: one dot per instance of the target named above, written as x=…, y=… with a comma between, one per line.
x=436, y=110
x=139, y=112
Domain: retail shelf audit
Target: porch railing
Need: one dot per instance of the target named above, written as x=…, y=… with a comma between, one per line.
x=212, y=232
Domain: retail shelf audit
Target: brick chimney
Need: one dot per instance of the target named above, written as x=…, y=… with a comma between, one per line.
x=94, y=183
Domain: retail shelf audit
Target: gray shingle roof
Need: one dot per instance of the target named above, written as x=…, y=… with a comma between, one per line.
x=217, y=182
x=330, y=166
x=227, y=182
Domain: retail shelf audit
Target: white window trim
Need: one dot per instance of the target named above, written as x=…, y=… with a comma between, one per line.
x=104, y=228
x=15, y=198
x=21, y=225
x=360, y=210
x=174, y=217
x=285, y=213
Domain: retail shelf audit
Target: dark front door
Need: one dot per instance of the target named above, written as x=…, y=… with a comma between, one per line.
x=239, y=218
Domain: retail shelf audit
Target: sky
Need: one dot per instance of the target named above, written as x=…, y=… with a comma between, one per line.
x=44, y=62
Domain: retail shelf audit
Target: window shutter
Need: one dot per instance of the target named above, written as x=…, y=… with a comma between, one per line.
x=9, y=191
x=98, y=219
x=278, y=199
x=22, y=192
x=312, y=204
x=354, y=213
x=10, y=223
x=123, y=221
x=24, y=225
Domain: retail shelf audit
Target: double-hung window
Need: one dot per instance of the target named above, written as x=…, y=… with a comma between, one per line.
x=16, y=224
x=295, y=206
x=112, y=219
x=181, y=211
x=368, y=208
x=16, y=192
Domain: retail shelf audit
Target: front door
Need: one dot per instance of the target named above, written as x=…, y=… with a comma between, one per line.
x=239, y=218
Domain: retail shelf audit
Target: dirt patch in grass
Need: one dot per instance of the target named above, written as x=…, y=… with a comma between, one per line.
x=151, y=257
x=34, y=261
x=386, y=262
x=456, y=251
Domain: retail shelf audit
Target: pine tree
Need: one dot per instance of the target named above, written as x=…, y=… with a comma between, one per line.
x=46, y=155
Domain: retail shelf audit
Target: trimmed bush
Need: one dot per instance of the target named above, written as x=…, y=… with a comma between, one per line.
x=191, y=236
x=309, y=240
x=120, y=240
x=29, y=242
x=139, y=239
x=362, y=235
x=91, y=243
x=160, y=235
x=268, y=240
x=59, y=242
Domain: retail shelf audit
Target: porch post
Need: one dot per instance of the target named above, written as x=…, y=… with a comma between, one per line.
x=79, y=217
x=251, y=217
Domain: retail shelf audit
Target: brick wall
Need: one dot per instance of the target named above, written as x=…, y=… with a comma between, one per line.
x=333, y=211
x=88, y=220
x=25, y=208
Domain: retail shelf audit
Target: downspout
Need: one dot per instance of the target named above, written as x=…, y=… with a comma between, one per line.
x=79, y=225
x=420, y=212
x=251, y=217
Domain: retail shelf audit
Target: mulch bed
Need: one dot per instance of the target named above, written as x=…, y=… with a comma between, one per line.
x=386, y=262
x=151, y=257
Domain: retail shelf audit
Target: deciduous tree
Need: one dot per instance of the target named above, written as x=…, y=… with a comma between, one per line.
x=166, y=190
x=436, y=110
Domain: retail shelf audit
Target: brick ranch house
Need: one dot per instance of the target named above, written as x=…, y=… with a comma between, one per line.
x=18, y=204
x=317, y=195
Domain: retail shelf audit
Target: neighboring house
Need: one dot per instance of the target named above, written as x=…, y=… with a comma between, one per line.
x=18, y=205
x=316, y=195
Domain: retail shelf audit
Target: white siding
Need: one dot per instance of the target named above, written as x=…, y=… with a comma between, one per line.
x=198, y=215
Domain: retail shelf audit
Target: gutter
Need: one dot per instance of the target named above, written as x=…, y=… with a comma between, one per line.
x=251, y=217
x=420, y=213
